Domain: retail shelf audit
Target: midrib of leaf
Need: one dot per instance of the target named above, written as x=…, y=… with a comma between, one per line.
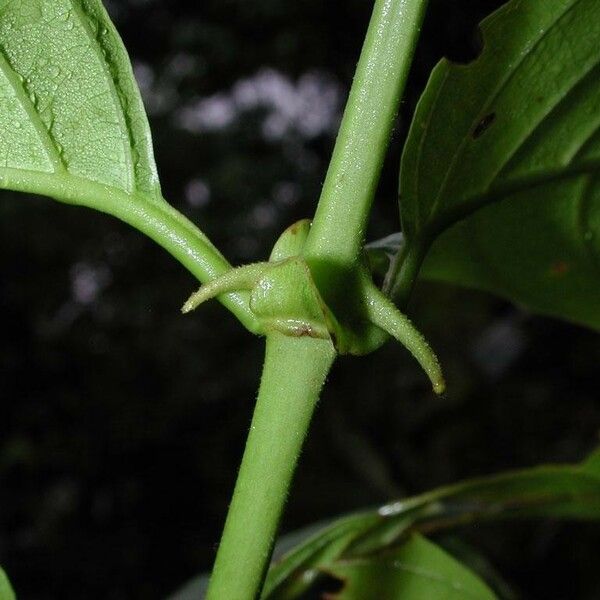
x=424, y=136
x=128, y=144
x=44, y=136
x=508, y=188
x=488, y=102
x=593, y=74
x=69, y=188
x=73, y=189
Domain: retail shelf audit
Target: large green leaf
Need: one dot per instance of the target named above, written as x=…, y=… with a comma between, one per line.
x=73, y=127
x=568, y=491
x=417, y=570
x=511, y=142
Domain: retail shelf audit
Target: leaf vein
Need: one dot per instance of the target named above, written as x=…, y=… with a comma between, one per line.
x=48, y=143
x=84, y=20
x=545, y=119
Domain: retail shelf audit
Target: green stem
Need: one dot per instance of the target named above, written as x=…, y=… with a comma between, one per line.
x=294, y=372
x=295, y=368
x=336, y=238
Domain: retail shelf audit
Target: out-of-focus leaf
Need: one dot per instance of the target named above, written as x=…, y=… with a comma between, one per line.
x=6, y=591
x=417, y=570
x=564, y=491
x=511, y=144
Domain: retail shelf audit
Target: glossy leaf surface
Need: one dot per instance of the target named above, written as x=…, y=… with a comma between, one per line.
x=512, y=143
x=569, y=492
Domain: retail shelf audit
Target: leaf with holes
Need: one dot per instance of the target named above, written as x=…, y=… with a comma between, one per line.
x=511, y=144
x=73, y=127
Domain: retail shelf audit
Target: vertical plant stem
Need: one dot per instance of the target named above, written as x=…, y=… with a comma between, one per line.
x=295, y=368
x=335, y=241
x=293, y=375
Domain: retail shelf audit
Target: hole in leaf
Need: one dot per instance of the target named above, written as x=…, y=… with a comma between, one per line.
x=453, y=28
x=328, y=589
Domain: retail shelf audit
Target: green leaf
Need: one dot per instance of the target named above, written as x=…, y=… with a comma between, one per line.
x=70, y=106
x=511, y=144
x=6, y=591
x=563, y=491
x=418, y=570
x=73, y=127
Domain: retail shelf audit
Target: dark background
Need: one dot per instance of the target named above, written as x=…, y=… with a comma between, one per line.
x=123, y=422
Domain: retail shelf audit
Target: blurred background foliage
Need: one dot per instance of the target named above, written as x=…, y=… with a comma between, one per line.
x=123, y=422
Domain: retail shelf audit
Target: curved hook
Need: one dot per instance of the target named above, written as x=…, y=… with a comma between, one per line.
x=381, y=311
x=285, y=298
x=240, y=278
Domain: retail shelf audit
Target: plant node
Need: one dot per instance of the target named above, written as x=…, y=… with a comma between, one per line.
x=285, y=298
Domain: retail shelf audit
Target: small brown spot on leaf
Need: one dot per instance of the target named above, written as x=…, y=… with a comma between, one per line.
x=483, y=125
x=559, y=268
